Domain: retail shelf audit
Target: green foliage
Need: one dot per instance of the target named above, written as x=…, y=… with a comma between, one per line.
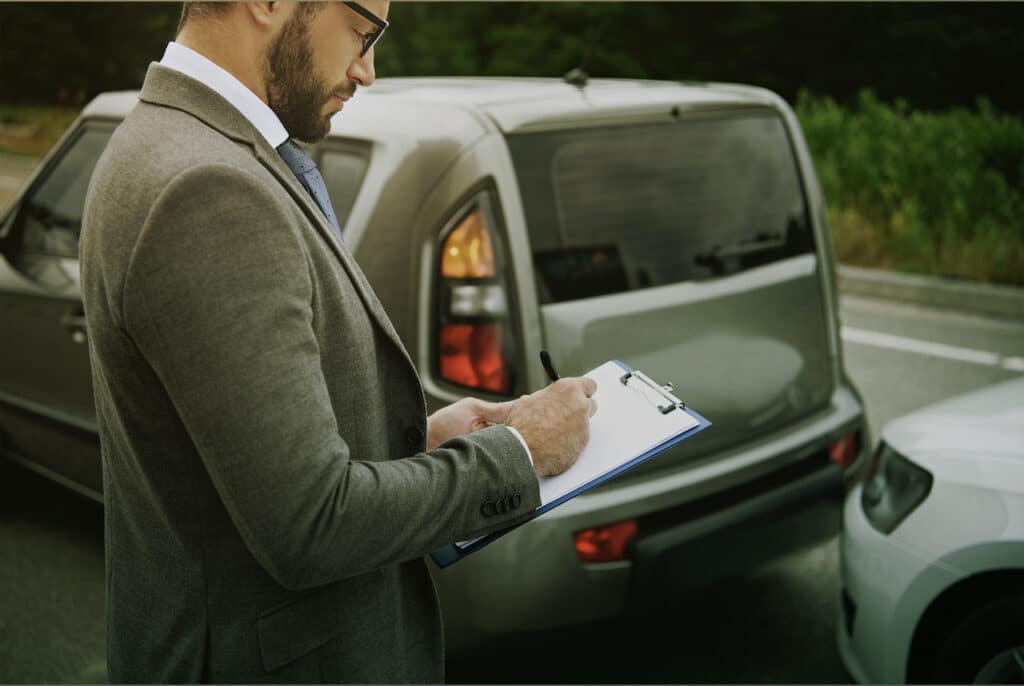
x=934, y=54
x=911, y=50
x=507, y=39
x=66, y=53
x=912, y=184
x=32, y=131
x=932, y=192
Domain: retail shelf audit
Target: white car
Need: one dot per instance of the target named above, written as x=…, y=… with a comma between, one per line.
x=933, y=547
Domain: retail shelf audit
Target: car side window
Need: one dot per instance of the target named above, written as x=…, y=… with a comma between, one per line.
x=51, y=215
x=343, y=165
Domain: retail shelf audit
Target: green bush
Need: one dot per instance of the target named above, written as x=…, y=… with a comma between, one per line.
x=32, y=130
x=930, y=192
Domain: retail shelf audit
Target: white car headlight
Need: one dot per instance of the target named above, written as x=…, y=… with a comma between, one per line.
x=895, y=486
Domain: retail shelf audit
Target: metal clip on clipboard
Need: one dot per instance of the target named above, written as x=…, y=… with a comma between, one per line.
x=668, y=401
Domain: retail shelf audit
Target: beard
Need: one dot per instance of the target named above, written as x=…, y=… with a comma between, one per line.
x=294, y=91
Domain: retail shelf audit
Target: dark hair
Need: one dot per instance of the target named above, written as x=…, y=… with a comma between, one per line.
x=201, y=10
x=193, y=10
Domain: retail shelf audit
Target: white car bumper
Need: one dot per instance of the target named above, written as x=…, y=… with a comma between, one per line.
x=876, y=625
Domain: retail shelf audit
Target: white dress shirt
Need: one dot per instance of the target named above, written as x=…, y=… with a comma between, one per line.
x=192, y=64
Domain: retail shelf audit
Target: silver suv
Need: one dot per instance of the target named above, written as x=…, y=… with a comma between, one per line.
x=678, y=227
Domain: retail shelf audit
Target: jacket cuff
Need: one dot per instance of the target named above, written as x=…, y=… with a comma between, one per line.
x=515, y=432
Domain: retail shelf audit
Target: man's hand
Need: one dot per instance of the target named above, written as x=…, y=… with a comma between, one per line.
x=463, y=417
x=555, y=423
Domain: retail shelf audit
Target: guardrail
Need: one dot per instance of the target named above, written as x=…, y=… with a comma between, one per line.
x=1003, y=302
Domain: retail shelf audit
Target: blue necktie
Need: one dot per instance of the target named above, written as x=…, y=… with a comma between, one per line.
x=309, y=176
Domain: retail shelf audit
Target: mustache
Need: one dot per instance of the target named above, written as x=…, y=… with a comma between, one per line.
x=345, y=91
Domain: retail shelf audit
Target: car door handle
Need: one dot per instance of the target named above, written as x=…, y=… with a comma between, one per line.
x=75, y=323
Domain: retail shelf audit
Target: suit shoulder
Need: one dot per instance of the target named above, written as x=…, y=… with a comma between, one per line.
x=152, y=147
x=156, y=143
x=156, y=151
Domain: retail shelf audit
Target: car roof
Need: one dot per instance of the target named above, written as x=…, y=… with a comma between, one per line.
x=416, y=106
x=518, y=104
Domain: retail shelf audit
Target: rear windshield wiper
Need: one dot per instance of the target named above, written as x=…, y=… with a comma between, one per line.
x=715, y=258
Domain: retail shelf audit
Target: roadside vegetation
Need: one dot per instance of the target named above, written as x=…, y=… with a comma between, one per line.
x=939, y=193
x=32, y=131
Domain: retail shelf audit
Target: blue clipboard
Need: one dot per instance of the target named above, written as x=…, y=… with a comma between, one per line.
x=451, y=554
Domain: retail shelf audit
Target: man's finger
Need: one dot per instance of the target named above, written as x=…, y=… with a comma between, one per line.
x=589, y=386
x=593, y=407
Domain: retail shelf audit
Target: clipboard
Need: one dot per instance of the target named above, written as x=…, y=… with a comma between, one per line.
x=664, y=419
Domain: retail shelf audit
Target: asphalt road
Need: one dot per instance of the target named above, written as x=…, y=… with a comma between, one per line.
x=51, y=581
x=775, y=625
x=903, y=357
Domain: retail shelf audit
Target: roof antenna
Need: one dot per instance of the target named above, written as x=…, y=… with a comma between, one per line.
x=578, y=76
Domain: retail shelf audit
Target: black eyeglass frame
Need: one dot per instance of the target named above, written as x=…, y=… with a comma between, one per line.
x=381, y=25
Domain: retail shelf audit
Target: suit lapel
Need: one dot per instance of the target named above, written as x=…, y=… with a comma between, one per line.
x=276, y=166
x=169, y=88
x=273, y=162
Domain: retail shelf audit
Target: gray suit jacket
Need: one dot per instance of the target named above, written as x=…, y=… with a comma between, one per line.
x=268, y=503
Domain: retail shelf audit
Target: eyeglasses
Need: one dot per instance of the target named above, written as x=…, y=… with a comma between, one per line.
x=370, y=38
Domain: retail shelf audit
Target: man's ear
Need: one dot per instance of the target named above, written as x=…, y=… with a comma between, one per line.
x=268, y=15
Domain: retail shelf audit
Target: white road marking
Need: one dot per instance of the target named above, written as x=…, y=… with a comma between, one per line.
x=948, y=352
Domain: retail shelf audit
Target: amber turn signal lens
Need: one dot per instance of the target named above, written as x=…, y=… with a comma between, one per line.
x=467, y=253
x=605, y=543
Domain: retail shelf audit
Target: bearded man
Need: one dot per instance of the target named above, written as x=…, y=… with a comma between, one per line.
x=266, y=515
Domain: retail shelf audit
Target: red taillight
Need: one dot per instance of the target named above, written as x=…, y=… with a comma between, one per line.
x=605, y=543
x=473, y=336
x=474, y=355
x=844, y=451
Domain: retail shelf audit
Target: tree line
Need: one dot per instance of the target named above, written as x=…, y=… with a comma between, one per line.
x=933, y=55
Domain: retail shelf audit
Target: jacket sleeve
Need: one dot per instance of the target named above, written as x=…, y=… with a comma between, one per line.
x=218, y=298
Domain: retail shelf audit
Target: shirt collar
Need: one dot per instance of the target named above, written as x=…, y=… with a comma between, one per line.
x=192, y=64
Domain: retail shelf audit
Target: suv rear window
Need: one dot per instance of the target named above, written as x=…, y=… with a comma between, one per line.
x=614, y=209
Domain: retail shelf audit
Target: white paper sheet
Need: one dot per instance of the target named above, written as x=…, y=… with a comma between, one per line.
x=626, y=425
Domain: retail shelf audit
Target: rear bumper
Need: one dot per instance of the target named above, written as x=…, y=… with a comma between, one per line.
x=801, y=511
x=844, y=639
x=875, y=574
x=888, y=585
x=713, y=518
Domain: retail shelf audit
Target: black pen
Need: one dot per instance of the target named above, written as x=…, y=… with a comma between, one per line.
x=545, y=360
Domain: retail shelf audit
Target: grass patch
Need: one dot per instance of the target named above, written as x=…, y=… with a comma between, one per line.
x=993, y=256
x=32, y=131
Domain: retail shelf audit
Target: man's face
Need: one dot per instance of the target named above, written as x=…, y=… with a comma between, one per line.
x=314, y=65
